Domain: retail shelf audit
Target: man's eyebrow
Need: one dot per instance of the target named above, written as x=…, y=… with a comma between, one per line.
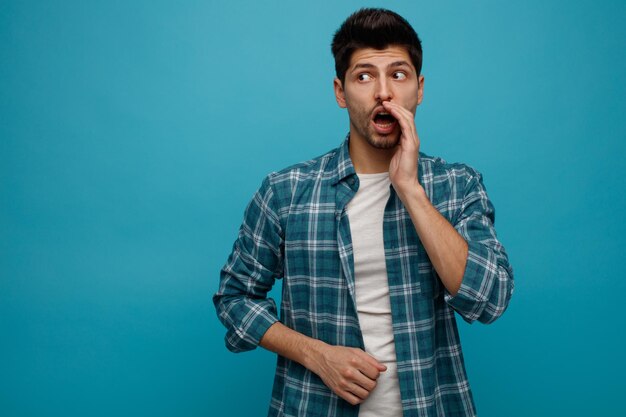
x=362, y=65
x=398, y=64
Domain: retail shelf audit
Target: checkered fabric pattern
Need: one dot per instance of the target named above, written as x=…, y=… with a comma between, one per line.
x=296, y=228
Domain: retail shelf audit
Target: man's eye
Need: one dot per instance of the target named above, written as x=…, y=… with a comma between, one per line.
x=399, y=75
x=364, y=77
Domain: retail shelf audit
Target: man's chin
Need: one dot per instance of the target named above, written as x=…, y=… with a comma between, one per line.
x=384, y=142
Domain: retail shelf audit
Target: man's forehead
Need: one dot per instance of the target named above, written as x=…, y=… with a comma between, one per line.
x=380, y=57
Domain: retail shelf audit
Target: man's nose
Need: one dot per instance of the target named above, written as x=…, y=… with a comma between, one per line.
x=383, y=90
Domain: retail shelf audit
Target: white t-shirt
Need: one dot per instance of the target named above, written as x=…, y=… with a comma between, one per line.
x=365, y=214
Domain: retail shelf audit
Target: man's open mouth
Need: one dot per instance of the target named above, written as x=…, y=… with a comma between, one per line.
x=384, y=118
x=384, y=122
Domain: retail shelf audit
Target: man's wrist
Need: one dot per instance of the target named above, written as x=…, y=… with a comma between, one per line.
x=312, y=354
x=412, y=194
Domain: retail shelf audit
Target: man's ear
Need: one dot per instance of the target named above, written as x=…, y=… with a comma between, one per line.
x=420, y=89
x=339, y=93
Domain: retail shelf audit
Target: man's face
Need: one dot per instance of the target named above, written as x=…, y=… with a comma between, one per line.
x=375, y=76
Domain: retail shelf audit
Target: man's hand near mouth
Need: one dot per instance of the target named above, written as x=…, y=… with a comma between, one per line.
x=403, y=165
x=446, y=248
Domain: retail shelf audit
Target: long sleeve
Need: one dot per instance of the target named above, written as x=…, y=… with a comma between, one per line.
x=487, y=283
x=252, y=267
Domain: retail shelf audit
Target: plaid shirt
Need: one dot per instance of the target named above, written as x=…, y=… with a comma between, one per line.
x=296, y=228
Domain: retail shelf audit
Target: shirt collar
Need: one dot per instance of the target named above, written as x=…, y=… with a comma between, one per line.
x=343, y=162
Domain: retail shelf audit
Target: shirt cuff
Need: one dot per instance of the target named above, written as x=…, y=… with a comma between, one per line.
x=253, y=326
x=478, y=279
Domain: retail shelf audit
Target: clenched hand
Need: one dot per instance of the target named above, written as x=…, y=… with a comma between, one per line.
x=349, y=372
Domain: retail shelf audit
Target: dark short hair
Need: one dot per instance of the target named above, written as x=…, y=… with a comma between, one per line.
x=374, y=28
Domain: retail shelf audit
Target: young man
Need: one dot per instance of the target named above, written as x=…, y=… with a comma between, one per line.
x=377, y=244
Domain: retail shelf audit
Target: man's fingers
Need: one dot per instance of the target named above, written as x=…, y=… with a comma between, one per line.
x=405, y=118
x=366, y=382
x=371, y=371
x=350, y=397
x=359, y=377
x=354, y=393
x=350, y=372
x=396, y=107
x=372, y=361
x=360, y=370
x=358, y=391
x=403, y=115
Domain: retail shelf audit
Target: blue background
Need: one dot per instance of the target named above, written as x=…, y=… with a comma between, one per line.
x=132, y=135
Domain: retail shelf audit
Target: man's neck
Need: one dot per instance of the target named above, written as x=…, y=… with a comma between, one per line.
x=368, y=159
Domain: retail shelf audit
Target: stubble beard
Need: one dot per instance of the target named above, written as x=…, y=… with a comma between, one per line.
x=383, y=142
x=364, y=128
